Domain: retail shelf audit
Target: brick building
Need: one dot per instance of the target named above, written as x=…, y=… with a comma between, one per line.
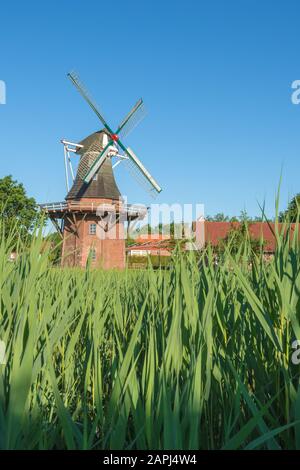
x=154, y=245
x=206, y=232
x=214, y=232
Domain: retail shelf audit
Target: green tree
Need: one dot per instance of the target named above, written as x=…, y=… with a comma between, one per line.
x=237, y=235
x=220, y=217
x=53, y=242
x=18, y=211
x=244, y=217
x=292, y=210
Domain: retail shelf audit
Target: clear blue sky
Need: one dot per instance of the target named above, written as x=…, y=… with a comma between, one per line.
x=215, y=76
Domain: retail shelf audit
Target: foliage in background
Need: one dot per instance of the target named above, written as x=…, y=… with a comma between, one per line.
x=292, y=210
x=53, y=244
x=17, y=211
x=155, y=261
x=237, y=236
x=171, y=230
x=243, y=217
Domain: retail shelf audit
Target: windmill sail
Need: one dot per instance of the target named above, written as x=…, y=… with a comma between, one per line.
x=86, y=95
x=97, y=148
x=94, y=149
x=141, y=174
x=97, y=163
x=132, y=119
x=88, y=158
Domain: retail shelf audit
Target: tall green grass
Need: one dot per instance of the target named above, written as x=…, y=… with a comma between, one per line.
x=195, y=357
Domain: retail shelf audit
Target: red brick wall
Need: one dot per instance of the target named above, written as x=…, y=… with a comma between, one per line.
x=109, y=244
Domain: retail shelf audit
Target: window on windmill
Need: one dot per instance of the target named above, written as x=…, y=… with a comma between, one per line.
x=95, y=177
x=93, y=254
x=92, y=229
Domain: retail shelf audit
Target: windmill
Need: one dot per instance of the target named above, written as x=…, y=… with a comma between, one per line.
x=102, y=145
x=93, y=202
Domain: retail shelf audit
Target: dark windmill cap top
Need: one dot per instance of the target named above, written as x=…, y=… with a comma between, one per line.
x=103, y=185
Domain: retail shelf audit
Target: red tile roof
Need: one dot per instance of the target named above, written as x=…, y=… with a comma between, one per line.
x=153, y=242
x=216, y=231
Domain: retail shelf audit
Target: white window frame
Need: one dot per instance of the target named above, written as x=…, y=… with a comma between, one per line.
x=92, y=231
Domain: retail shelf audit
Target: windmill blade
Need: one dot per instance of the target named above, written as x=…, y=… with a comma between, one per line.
x=87, y=159
x=143, y=170
x=94, y=152
x=137, y=105
x=98, y=163
x=132, y=119
x=85, y=94
x=139, y=177
x=139, y=171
